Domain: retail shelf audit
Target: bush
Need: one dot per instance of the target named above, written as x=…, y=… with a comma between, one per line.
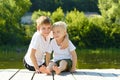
x=76, y=23
x=93, y=36
x=115, y=33
x=57, y=15
x=97, y=33
x=37, y=14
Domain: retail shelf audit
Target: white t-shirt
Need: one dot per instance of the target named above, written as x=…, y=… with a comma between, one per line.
x=38, y=43
x=58, y=53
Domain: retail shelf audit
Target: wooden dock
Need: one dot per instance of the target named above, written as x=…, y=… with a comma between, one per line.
x=80, y=74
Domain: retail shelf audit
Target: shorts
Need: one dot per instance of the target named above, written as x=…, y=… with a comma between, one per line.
x=69, y=64
x=31, y=68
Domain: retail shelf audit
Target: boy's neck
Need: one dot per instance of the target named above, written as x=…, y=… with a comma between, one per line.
x=44, y=37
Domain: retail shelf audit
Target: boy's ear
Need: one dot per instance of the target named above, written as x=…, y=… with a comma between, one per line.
x=38, y=27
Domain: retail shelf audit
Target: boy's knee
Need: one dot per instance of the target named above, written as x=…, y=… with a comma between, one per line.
x=63, y=62
x=51, y=63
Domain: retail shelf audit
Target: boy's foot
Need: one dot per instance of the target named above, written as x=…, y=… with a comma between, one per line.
x=42, y=69
x=48, y=72
x=56, y=69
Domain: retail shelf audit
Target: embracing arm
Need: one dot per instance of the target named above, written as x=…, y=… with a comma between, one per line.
x=74, y=61
x=65, y=42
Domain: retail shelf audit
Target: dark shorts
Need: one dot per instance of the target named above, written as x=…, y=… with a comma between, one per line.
x=31, y=68
x=69, y=64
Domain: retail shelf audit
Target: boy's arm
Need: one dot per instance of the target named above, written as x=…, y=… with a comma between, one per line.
x=65, y=42
x=34, y=61
x=48, y=56
x=74, y=61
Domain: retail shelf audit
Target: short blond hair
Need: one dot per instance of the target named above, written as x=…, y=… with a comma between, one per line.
x=43, y=20
x=60, y=24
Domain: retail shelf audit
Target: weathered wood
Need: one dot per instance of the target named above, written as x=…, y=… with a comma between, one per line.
x=96, y=74
x=23, y=74
x=80, y=74
x=42, y=77
x=86, y=74
x=116, y=72
x=108, y=74
x=64, y=76
x=7, y=74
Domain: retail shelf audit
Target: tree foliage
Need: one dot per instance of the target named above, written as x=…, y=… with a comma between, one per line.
x=77, y=22
x=110, y=10
x=58, y=15
x=37, y=14
x=85, y=32
x=11, y=12
x=66, y=5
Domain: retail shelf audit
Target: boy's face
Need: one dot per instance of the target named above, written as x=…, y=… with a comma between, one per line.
x=58, y=33
x=45, y=29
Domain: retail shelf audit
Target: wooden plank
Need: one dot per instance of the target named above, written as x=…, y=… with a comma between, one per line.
x=23, y=74
x=42, y=77
x=107, y=74
x=6, y=74
x=115, y=72
x=80, y=74
x=64, y=76
x=2, y=70
x=86, y=74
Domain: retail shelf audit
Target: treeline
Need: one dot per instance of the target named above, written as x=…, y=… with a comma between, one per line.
x=86, y=32
x=102, y=31
x=66, y=5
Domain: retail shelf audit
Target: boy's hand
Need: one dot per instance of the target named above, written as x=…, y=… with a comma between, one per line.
x=72, y=70
x=37, y=71
x=63, y=45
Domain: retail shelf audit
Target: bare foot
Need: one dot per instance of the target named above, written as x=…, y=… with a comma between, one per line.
x=42, y=69
x=56, y=69
x=48, y=72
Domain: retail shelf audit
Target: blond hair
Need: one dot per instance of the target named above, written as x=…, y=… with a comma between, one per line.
x=60, y=24
x=43, y=20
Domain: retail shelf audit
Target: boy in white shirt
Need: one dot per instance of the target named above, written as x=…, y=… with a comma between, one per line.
x=35, y=56
x=65, y=59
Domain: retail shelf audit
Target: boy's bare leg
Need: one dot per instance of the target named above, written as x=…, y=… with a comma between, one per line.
x=43, y=69
x=49, y=68
x=62, y=67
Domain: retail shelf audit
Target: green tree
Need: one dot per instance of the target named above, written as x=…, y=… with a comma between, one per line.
x=11, y=12
x=77, y=22
x=67, y=5
x=39, y=13
x=44, y=5
x=57, y=15
x=110, y=10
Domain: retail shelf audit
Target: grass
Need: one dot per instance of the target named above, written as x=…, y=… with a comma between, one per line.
x=98, y=58
x=12, y=57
